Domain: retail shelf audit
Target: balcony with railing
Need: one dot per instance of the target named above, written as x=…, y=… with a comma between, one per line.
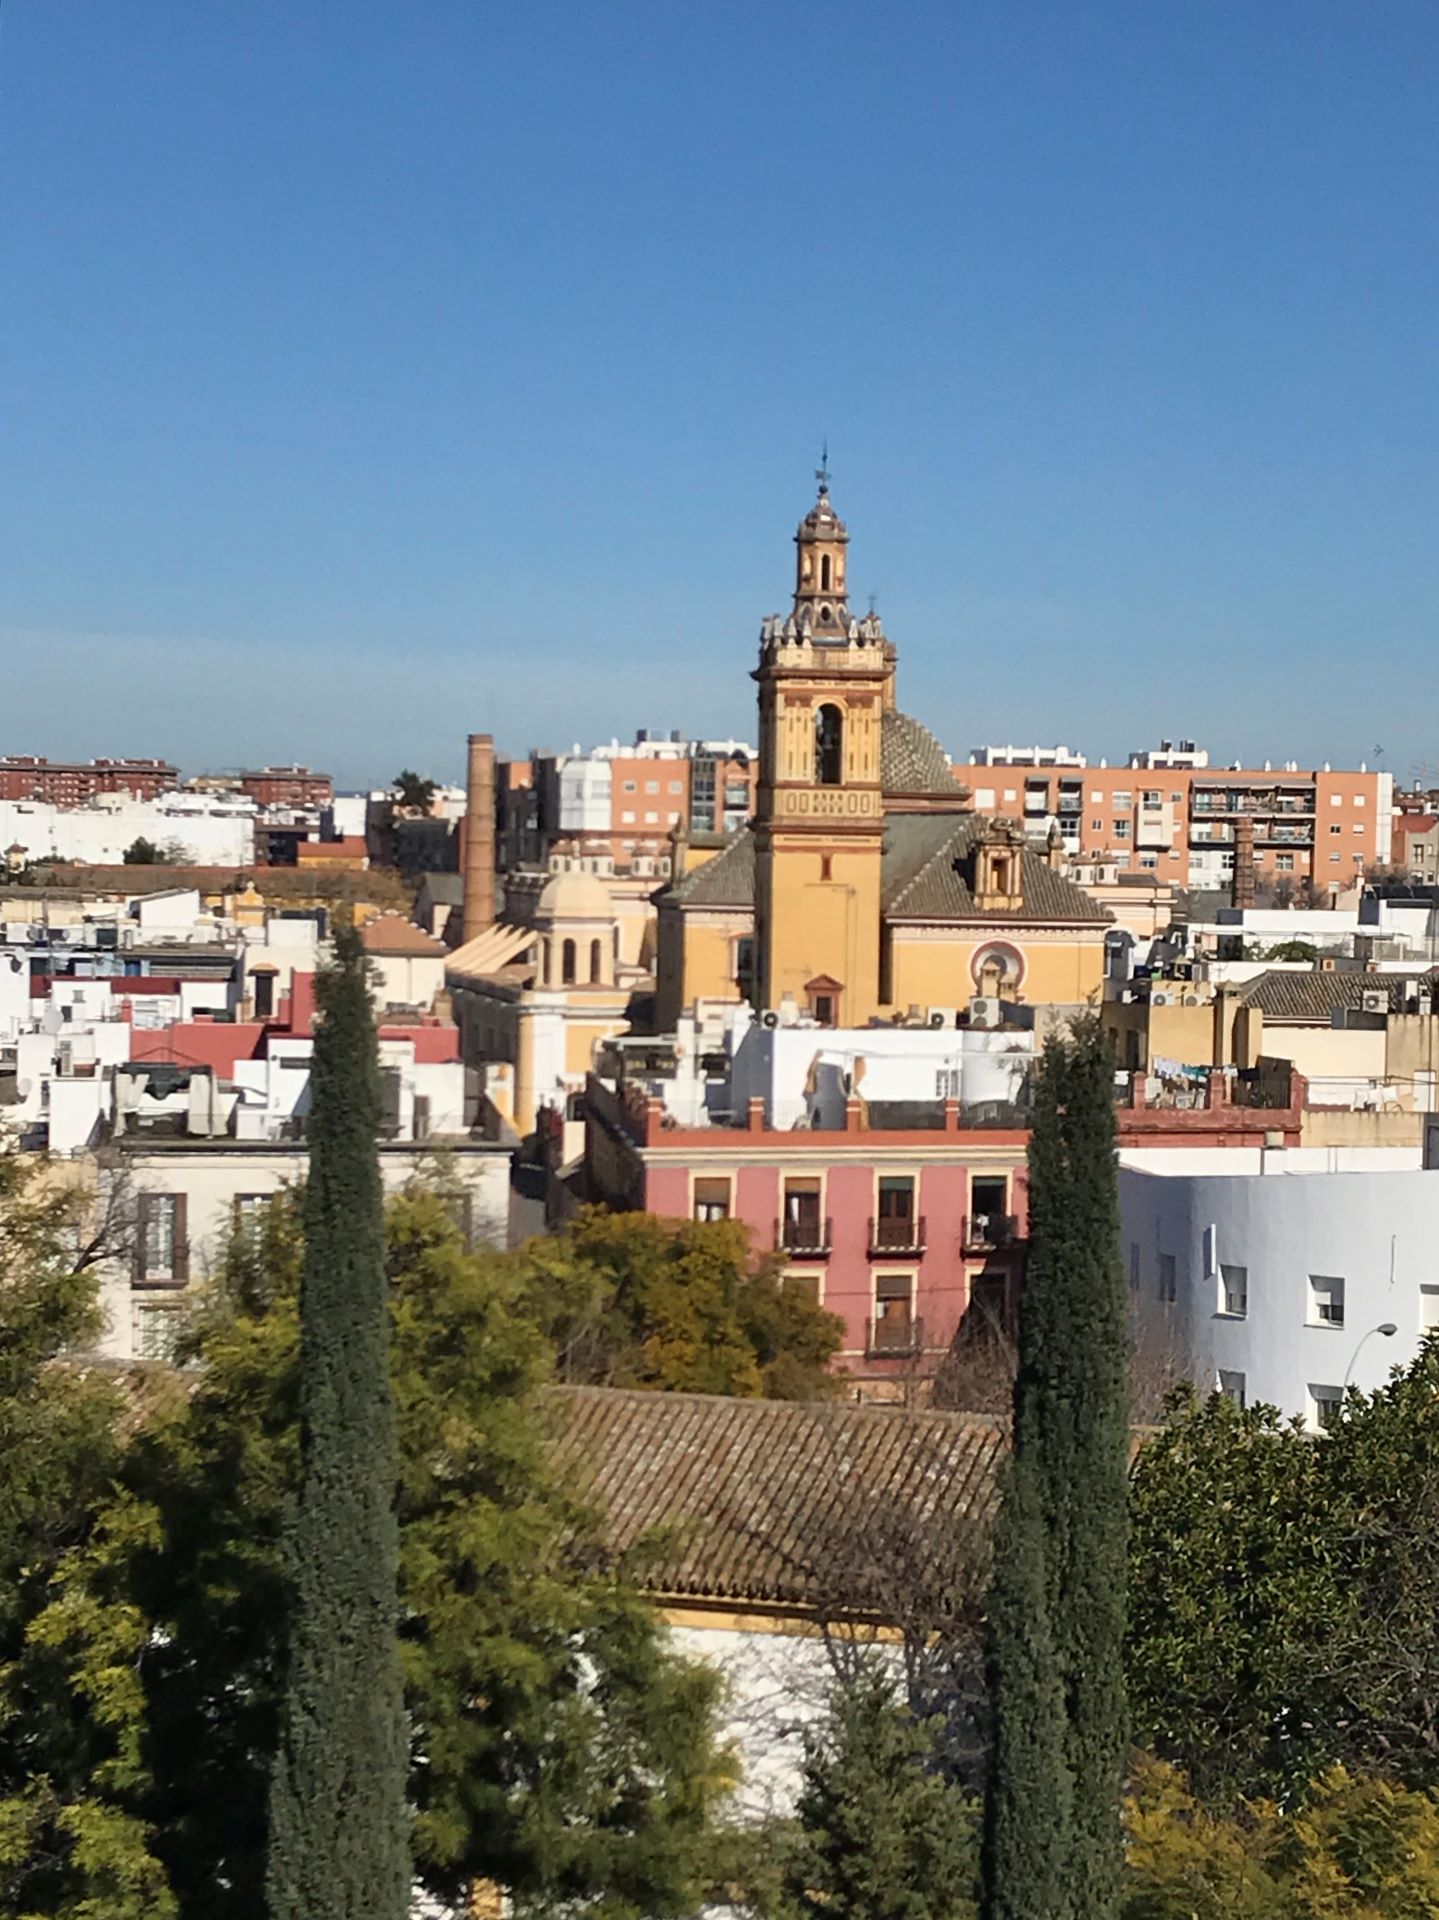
x=805, y=1239
x=893, y=1338
x=990, y=1232
x=897, y=1235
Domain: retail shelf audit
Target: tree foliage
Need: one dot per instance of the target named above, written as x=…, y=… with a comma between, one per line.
x=338, y=1828
x=885, y=1832
x=1061, y=1732
x=560, y=1750
x=1286, y=1591
x=1363, y=1849
x=412, y=793
x=684, y=1307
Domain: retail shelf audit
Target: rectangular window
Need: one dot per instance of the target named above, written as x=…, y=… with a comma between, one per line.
x=1149, y=862
x=1284, y=862
x=1336, y=829
x=676, y=786
x=1231, y=1385
x=652, y=786
x=162, y=1254
x=1429, y=1308
x=1154, y=799
x=894, y=1328
x=1168, y=1279
x=809, y=1284
x=1121, y=829
x=1324, y=1405
x=1326, y=1300
x=629, y=786
x=250, y=1211
x=1120, y=801
x=802, y=1227
x=712, y=1199
x=895, y=1223
x=1096, y=826
x=155, y=1332
x=1234, y=1290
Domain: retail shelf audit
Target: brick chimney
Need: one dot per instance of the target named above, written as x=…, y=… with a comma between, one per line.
x=479, y=838
x=1242, y=889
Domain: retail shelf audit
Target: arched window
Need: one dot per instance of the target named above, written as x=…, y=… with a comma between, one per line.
x=547, y=962
x=824, y=574
x=829, y=746
x=567, y=964
x=596, y=963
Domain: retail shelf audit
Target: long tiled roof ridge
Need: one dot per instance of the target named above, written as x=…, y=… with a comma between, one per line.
x=1282, y=995
x=725, y=880
x=758, y=1502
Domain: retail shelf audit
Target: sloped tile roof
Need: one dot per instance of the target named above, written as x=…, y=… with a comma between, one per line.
x=911, y=760
x=1316, y=995
x=725, y=880
x=392, y=934
x=752, y=1500
x=927, y=875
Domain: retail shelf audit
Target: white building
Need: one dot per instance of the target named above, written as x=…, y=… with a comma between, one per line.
x=1270, y=1274
x=207, y=829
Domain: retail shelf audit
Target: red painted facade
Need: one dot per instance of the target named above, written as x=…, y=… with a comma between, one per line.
x=70, y=783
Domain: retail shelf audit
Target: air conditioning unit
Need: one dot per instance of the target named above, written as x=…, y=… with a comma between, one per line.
x=1158, y=997
x=984, y=1011
x=1191, y=1000
x=769, y=1018
x=943, y=1016
x=1374, y=1000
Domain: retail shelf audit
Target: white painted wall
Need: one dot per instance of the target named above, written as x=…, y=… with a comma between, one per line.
x=1367, y=1216
x=217, y=830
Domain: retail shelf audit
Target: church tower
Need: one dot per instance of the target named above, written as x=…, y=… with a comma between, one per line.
x=825, y=681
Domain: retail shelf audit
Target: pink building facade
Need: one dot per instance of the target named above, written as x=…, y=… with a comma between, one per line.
x=901, y=1232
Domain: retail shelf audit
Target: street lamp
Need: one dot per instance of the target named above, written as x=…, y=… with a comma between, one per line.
x=1387, y=1328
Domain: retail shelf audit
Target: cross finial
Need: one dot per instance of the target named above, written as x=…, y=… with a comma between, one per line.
x=821, y=472
x=873, y=604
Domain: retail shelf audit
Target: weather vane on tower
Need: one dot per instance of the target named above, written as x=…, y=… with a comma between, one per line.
x=821, y=472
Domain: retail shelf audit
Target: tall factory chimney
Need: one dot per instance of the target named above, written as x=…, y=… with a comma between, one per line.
x=479, y=846
x=1241, y=892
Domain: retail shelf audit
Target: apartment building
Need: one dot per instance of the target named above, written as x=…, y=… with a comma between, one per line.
x=69, y=783
x=287, y=787
x=621, y=803
x=1168, y=812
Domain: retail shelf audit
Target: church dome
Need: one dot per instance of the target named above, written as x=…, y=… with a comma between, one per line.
x=911, y=760
x=574, y=895
x=822, y=522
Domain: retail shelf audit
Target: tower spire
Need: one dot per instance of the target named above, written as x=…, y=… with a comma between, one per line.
x=821, y=472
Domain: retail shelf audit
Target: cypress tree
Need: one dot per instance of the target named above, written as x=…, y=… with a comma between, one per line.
x=339, y=1824
x=1057, y=1615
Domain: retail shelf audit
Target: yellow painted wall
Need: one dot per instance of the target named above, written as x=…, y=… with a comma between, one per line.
x=1411, y=1045
x=938, y=973
x=583, y=1036
x=819, y=926
x=695, y=961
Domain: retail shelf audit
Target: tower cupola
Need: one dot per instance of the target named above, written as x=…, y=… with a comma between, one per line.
x=821, y=600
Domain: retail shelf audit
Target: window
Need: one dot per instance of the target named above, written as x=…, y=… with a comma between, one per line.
x=826, y=866
x=712, y=1199
x=823, y=1008
x=811, y=1284
x=567, y=964
x=676, y=786
x=629, y=786
x=1121, y=829
x=1324, y=1405
x=1359, y=827
x=652, y=786
x=1096, y=826
x=1359, y=802
x=894, y=1328
x=1149, y=862
x=895, y=1223
x=802, y=1228
x=596, y=963
x=155, y=1332
x=1429, y=1308
x=829, y=746
x=1336, y=828
x=627, y=818
x=250, y=1211
x=824, y=573
x=1234, y=1290
x=652, y=819
x=1284, y=862
x=1334, y=859
x=1231, y=1385
x=264, y=984
x=1153, y=799
x=1121, y=801
x=1168, y=1279
x=1326, y=1300
x=162, y=1253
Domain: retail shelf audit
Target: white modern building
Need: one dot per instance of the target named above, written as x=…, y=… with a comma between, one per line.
x=208, y=829
x=1282, y=1275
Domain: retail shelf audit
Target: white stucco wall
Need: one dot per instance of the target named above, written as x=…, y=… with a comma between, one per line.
x=1367, y=1217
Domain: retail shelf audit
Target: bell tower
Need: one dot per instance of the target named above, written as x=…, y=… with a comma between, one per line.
x=824, y=684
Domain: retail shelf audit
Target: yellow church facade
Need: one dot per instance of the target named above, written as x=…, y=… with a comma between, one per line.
x=865, y=886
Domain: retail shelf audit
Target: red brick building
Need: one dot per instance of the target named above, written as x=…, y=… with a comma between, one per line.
x=70, y=783
x=288, y=787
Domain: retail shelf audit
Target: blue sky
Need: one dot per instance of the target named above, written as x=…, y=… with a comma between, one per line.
x=376, y=370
